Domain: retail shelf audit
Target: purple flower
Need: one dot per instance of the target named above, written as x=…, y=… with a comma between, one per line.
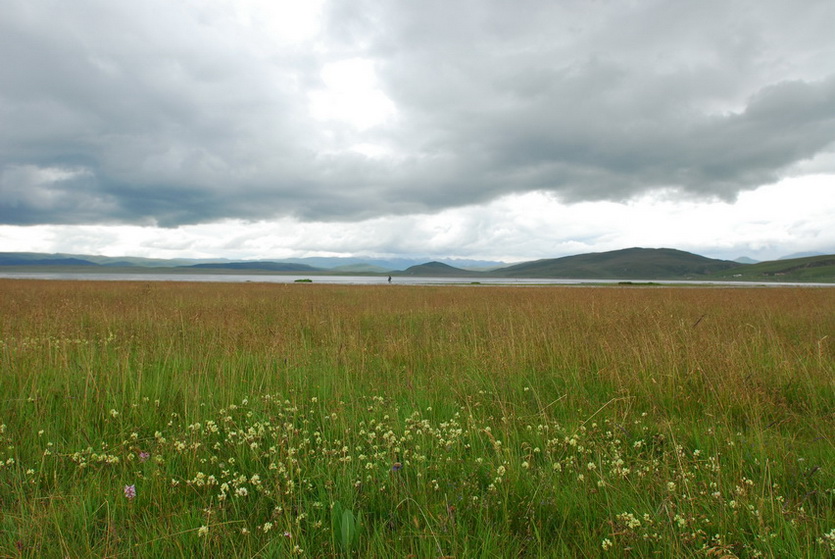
x=130, y=492
x=396, y=467
x=143, y=456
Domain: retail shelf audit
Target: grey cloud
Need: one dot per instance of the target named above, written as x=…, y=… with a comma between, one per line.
x=153, y=113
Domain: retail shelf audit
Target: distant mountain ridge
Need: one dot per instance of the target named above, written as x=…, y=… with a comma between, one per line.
x=437, y=269
x=12, y=259
x=259, y=265
x=630, y=263
x=800, y=255
x=48, y=259
x=627, y=264
x=348, y=263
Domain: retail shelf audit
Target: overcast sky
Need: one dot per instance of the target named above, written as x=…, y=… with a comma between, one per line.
x=482, y=129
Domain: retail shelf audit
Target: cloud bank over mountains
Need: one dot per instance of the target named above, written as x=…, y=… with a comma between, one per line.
x=172, y=114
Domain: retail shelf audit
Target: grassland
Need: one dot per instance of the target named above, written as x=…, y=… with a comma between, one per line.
x=810, y=268
x=145, y=419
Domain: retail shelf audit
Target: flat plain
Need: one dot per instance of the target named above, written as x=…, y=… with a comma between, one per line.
x=167, y=419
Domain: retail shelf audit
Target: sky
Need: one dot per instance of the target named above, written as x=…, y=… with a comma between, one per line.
x=478, y=129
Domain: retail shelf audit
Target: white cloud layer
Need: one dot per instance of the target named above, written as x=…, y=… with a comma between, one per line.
x=770, y=222
x=495, y=129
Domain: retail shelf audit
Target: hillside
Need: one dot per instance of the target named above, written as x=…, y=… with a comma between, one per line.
x=810, y=268
x=437, y=269
x=626, y=264
x=630, y=263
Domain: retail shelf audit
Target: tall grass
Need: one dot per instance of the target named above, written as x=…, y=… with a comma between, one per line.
x=250, y=420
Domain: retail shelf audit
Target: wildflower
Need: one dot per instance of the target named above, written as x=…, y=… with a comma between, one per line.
x=203, y=531
x=606, y=545
x=130, y=492
x=629, y=520
x=397, y=466
x=143, y=456
x=828, y=539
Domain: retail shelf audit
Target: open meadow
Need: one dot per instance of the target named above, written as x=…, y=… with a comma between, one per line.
x=171, y=419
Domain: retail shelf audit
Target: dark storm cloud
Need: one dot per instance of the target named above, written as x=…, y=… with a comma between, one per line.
x=599, y=102
x=152, y=112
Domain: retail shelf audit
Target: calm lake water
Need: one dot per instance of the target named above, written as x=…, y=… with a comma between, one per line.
x=366, y=280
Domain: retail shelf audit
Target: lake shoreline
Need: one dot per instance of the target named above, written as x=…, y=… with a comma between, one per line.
x=179, y=275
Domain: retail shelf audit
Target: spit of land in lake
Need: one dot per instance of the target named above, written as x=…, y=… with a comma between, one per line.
x=169, y=419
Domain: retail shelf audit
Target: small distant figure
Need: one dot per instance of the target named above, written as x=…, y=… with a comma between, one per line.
x=389, y=279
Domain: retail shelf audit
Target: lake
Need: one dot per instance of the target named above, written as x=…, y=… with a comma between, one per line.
x=368, y=280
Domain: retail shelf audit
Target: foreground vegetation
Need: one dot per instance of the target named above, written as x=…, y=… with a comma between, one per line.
x=266, y=420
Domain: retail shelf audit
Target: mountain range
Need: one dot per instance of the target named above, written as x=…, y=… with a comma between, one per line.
x=626, y=264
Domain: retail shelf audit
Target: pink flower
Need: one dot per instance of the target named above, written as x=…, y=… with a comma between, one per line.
x=130, y=492
x=143, y=456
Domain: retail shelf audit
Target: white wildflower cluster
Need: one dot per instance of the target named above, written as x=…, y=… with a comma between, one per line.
x=828, y=540
x=271, y=456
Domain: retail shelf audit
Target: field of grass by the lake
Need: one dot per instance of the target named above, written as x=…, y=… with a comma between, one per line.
x=165, y=419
